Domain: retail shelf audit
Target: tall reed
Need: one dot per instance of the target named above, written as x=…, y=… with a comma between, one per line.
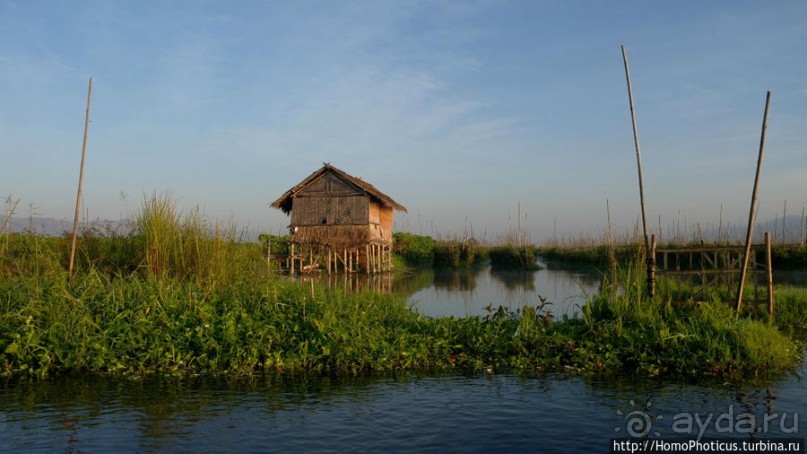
x=196, y=300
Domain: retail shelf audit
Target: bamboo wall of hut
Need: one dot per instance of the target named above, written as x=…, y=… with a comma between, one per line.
x=338, y=222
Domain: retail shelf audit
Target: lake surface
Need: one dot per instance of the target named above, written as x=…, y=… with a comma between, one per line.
x=468, y=292
x=463, y=293
x=551, y=413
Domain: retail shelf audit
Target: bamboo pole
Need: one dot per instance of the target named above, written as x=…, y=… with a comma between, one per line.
x=650, y=259
x=291, y=256
x=268, y=255
x=752, y=212
x=769, y=273
x=651, y=278
x=659, y=226
x=518, y=240
x=80, y=181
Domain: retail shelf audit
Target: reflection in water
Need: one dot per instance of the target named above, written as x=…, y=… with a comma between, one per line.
x=565, y=288
x=401, y=283
x=790, y=277
x=466, y=292
x=455, y=280
x=402, y=412
x=515, y=279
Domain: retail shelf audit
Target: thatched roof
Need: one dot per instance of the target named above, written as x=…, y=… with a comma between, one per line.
x=285, y=201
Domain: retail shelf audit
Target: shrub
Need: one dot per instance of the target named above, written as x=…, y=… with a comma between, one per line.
x=414, y=249
x=512, y=257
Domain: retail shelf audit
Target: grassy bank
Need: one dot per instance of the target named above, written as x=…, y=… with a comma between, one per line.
x=132, y=325
x=190, y=299
x=424, y=251
x=783, y=256
x=598, y=256
x=511, y=257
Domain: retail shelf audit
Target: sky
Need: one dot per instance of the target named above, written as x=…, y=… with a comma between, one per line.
x=478, y=116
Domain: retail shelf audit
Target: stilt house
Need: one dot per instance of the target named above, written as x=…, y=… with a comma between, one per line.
x=338, y=221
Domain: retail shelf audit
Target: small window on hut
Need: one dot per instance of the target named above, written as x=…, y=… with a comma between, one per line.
x=324, y=221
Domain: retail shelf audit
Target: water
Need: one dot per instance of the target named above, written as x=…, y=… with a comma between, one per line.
x=467, y=293
x=463, y=293
x=552, y=413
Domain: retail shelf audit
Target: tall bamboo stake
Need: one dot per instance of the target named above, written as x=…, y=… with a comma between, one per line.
x=650, y=259
x=769, y=273
x=752, y=213
x=80, y=181
x=268, y=255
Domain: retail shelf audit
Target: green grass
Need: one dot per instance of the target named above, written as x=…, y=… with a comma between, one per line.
x=689, y=337
x=176, y=295
x=783, y=256
x=514, y=257
x=135, y=325
x=598, y=256
x=457, y=254
x=413, y=250
x=789, y=256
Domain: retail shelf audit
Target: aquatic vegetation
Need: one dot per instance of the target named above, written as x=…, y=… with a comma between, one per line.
x=175, y=295
x=279, y=244
x=783, y=256
x=599, y=256
x=789, y=256
x=414, y=249
x=514, y=257
x=457, y=254
x=686, y=337
x=133, y=325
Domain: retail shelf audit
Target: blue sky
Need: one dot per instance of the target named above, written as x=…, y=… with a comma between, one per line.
x=458, y=110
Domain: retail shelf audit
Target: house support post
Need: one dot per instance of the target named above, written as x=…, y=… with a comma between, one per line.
x=291, y=259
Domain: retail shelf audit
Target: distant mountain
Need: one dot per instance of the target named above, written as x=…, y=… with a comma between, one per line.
x=794, y=229
x=56, y=227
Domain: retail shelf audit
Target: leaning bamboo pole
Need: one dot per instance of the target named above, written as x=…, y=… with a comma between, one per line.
x=80, y=181
x=650, y=259
x=752, y=213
